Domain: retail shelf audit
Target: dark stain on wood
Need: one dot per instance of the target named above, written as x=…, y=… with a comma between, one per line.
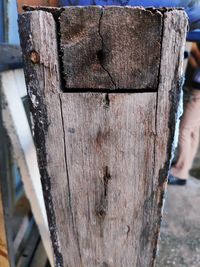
x=99, y=38
x=102, y=207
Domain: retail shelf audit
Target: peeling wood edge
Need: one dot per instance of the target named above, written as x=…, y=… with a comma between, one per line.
x=60, y=9
x=174, y=102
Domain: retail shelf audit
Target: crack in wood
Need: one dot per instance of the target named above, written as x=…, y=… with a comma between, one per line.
x=106, y=101
x=101, y=53
x=106, y=178
x=101, y=209
x=128, y=231
x=68, y=183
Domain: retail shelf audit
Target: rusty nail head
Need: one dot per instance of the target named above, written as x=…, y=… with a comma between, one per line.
x=35, y=57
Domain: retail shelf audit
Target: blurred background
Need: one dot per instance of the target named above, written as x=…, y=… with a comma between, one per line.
x=24, y=236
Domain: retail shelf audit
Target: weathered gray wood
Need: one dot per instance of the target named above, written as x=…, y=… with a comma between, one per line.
x=171, y=79
x=39, y=42
x=111, y=48
x=109, y=170
x=103, y=157
x=170, y=84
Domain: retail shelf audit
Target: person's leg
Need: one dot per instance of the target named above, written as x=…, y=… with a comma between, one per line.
x=188, y=145
x=188, y=137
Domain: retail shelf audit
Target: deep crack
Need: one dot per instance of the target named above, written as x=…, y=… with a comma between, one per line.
x=68, y=183
x=100, y=53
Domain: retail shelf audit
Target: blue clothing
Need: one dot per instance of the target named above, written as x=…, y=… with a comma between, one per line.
x=196, y=79
x=192, y=7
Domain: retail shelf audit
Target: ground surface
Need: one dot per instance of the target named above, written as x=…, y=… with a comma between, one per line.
x=179, y=243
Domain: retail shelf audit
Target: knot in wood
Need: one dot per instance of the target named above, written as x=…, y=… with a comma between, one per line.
x=35, y=57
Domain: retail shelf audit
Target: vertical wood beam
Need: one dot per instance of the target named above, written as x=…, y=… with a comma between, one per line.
x=103, y=156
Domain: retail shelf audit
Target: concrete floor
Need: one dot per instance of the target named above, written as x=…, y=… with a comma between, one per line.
x=179, y=243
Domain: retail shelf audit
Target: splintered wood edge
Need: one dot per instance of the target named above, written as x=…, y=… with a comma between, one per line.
x=168, y=96
x=55, y=11
x=42, y=75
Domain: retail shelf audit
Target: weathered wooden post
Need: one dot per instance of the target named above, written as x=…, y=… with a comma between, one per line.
x=104, y=86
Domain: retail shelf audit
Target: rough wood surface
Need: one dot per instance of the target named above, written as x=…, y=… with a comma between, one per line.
x=111, y=48
x=104, y=153
x=39, y=43
x=103, y=157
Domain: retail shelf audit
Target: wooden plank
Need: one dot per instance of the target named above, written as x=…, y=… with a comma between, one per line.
x=29, y=248
x=103, y=157
x=18, y=130
x=166, y=118
x=104, y=47
x=40, y=258
x=41, y=57
x=21, y=232
x=5, y=185
x=109, y=168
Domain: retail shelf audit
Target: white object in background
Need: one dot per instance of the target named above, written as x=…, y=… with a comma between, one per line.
x=16, y=124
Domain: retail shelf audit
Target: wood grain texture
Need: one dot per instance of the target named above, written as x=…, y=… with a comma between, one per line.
x=168, y=96
x=39, y=43
x=104, y=153
x=111, y=47
x=103, y=157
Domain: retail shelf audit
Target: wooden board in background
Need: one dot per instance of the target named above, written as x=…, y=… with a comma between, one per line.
x=18, y=129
